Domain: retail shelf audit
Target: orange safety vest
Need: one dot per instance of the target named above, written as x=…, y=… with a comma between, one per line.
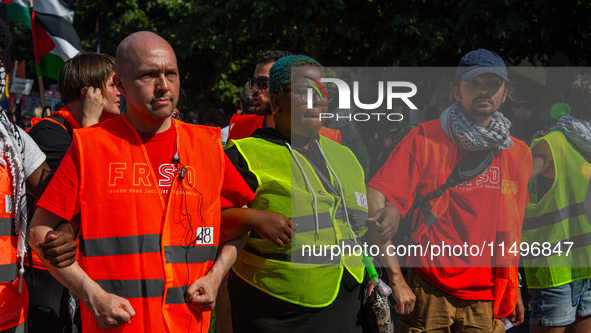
x=136, y=242
x=243, y=125
x=13, y=305
x=69, y=119
x=64, y=113
x=329, y=133
x=514, y=166
x=506, y=290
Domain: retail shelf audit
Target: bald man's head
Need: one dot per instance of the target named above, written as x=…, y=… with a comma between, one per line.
x=148, y=75
x=134, y=46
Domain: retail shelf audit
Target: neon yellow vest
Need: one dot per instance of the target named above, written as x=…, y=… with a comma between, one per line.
x=286, y=272
x=559, y=216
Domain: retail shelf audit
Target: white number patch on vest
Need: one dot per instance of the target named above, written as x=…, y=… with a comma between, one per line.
x=8, y=203
x=361, y=199
x=204, y=236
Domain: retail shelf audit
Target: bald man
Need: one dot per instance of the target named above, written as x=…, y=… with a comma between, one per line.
x=151, y=193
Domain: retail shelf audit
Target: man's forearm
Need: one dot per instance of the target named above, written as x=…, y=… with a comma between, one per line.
x=72, y=277
x=375, y=200
x=389, y=263
x=227, y=255
x=236, y=223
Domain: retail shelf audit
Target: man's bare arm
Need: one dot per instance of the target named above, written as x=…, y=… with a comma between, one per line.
x=272, y=226
x=542, y=161
x=39, y=179
x=382, y=210
x=109, y=310
x=203, y=292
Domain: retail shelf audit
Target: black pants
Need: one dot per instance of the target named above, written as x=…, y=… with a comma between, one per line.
x=256, y=311
x=48, y=304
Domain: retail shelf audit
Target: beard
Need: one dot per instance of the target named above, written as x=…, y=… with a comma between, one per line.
x=263, y=110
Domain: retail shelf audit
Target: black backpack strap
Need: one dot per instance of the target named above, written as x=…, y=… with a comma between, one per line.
x=62, y=121
x=471, y=165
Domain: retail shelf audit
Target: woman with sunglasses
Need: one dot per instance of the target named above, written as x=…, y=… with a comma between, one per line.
x=289, y=284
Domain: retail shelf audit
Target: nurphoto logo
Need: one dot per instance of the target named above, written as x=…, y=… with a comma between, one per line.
x=387, y=91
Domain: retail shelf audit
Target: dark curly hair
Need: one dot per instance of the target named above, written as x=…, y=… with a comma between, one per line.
x=579, y=97
x=272, y=56
x=5, y=35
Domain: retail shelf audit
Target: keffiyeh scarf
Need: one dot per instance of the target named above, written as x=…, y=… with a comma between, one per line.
x=469, y=136
x=576, y=130
x=12, y=152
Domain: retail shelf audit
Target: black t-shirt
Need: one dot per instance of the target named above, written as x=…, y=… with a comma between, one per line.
x=53, y=140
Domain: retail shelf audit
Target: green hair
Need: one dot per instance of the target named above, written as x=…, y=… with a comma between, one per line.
x=280, y=73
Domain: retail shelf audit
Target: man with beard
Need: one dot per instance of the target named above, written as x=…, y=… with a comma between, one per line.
x=242, y=126
x=444, y=292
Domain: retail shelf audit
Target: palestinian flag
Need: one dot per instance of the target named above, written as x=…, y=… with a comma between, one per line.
x=54, y=37
x=18, y=10
x=56, y=41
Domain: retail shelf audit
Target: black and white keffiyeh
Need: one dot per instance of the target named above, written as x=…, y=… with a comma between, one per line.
x=576, y=130
x=469, y=136
x=2, y=80
x=12, y=150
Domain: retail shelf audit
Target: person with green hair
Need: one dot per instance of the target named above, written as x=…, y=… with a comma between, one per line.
x=280, y=280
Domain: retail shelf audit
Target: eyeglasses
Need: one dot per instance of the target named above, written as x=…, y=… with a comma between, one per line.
x=305, y=92
x=262, y=82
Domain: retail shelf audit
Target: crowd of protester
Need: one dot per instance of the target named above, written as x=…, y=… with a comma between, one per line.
x=143, y=215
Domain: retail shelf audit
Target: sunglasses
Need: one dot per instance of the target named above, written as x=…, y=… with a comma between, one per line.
x=262, y=82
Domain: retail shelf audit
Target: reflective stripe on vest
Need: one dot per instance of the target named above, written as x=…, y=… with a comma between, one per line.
x=144, y=289
x=6, y=227
x=557, y=216
x=138, y=243
x=560, y=216
x=315, y=255
x=145, y=244
x=8, y=272
x=8, y=237
x=14, y=303
x=285, y=272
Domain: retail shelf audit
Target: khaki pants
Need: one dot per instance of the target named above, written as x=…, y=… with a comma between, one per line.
x=436, y=311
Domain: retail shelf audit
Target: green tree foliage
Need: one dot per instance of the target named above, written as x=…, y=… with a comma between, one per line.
x=217, y=41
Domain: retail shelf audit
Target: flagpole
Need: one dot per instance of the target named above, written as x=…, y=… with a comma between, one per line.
x=37, y=56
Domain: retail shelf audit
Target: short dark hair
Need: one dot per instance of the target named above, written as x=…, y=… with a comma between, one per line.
x=216, y=116
x=246, y=99
x=83, y=70
x=580, y=97
x=5, y=35
x=272, y=56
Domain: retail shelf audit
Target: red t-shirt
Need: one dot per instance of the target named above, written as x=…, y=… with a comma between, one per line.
x=243, y=125
x=472, y=213
x=61, y=196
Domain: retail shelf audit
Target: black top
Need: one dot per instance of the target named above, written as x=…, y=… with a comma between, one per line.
x=53, y=140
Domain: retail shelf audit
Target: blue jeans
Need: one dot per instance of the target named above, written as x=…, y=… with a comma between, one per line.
x=562, y=305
